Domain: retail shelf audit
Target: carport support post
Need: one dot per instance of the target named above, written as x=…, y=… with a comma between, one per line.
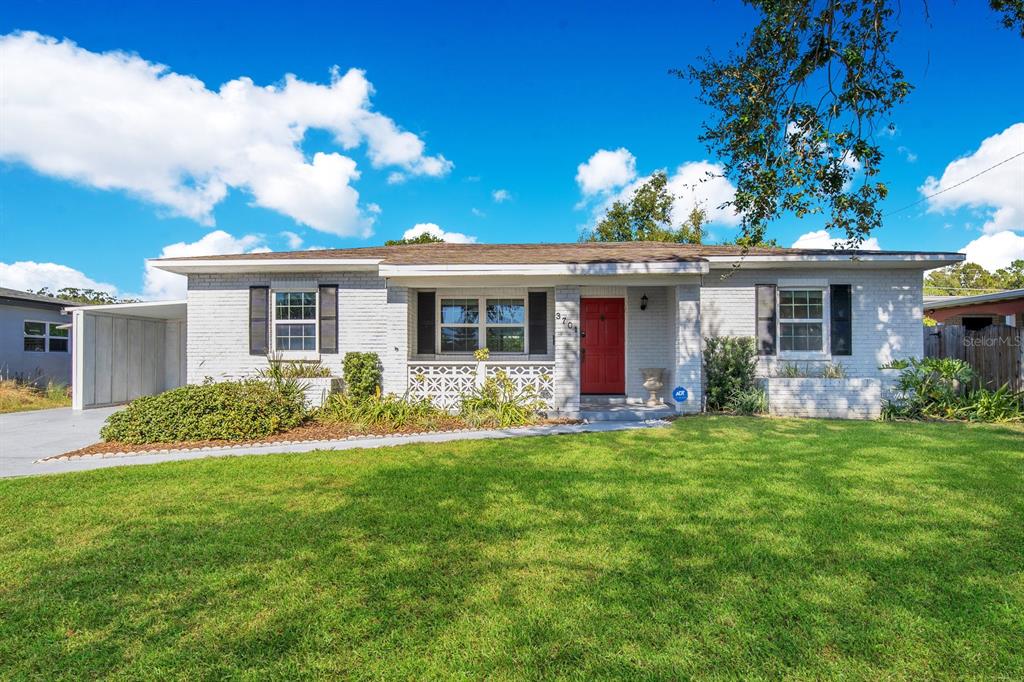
x=77, y=356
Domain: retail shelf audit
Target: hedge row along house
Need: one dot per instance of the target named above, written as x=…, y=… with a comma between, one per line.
x=585, y=323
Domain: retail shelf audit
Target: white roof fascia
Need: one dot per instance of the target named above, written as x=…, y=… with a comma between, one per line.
x=923, y=261
x=157, y=309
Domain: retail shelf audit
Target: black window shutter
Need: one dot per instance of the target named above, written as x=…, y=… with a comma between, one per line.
x=765, y=294
x=329, y=318
x=538, y=322
x=425, y=308
x=259, y=316
x=841, y=299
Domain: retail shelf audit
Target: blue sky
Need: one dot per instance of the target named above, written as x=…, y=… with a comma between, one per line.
x=509, y=97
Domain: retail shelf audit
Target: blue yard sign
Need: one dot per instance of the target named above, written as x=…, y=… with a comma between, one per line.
x=680, y=394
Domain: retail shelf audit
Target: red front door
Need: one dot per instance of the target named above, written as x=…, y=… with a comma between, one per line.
x=603, y=346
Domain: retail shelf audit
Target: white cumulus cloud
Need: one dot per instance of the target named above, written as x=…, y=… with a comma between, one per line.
x=32, y=276
x=293, y=240
x=436, y=231
x=994, y=251
x=501, y=195
x=821, y=239
x=702, y=184
x=909, y=155
x=605, y=171
x=1000, y=192
x=159, y=285
x=115, y=121
x=693, y=184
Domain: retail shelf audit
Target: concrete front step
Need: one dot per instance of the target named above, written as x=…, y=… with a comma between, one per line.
x=624, y=413
x=601, y=401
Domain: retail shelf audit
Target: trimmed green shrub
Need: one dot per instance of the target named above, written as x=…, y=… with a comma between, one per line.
x=499, y=403
x=363, y=374
x=730, y=365
x=233, y=410
x=384, y=412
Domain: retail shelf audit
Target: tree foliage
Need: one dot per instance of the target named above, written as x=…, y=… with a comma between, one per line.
x=748, y=242
x=1012, y=14
x=84, y=296
x=966, y=279
x=1012, y=276
x=423, y=238
x=647, y=216
x=797, y=107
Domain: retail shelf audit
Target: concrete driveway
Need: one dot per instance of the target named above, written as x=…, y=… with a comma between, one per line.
x=28, y=436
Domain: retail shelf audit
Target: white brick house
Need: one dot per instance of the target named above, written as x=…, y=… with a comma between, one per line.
x=579, y=321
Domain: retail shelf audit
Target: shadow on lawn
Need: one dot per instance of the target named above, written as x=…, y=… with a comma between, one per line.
x=779, y=547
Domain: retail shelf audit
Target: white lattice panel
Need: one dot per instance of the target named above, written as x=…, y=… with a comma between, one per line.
x=444, y=384
x=541, y=376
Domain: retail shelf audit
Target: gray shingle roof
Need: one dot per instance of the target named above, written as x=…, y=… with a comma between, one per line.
x=34, y=298
x=497, y=254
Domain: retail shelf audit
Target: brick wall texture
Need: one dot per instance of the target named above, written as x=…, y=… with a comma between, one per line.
x=372, y=316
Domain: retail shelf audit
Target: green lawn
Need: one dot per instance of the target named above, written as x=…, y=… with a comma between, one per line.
x=722, y=547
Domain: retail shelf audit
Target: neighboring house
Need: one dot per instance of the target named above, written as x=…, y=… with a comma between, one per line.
x=578, y=321
x=978, y=312
x=34, y=337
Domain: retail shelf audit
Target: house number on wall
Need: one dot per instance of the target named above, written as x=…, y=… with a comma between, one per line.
x=566, y=322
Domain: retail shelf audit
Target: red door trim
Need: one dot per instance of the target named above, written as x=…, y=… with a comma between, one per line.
x=603, y=346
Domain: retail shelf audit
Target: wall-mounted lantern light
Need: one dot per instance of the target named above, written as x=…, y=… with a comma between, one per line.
x=643, y=302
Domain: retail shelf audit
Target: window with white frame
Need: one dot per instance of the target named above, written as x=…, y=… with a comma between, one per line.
x=801, y=320
x=45, y=336
x=460, y=325
x=294, y=321
x=501, y=328
x=506, y=330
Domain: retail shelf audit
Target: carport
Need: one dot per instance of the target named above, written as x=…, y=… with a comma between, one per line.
x=126, y=350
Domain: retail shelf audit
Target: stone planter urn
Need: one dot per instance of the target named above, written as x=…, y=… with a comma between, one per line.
x=653, y=383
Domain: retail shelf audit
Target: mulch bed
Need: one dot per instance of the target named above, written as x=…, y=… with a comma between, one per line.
x=308, y=432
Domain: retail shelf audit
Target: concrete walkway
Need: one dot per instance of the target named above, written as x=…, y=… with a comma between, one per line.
x=26, y=437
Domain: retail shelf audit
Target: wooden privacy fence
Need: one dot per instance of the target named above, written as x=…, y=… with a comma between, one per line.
x=996, y=353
